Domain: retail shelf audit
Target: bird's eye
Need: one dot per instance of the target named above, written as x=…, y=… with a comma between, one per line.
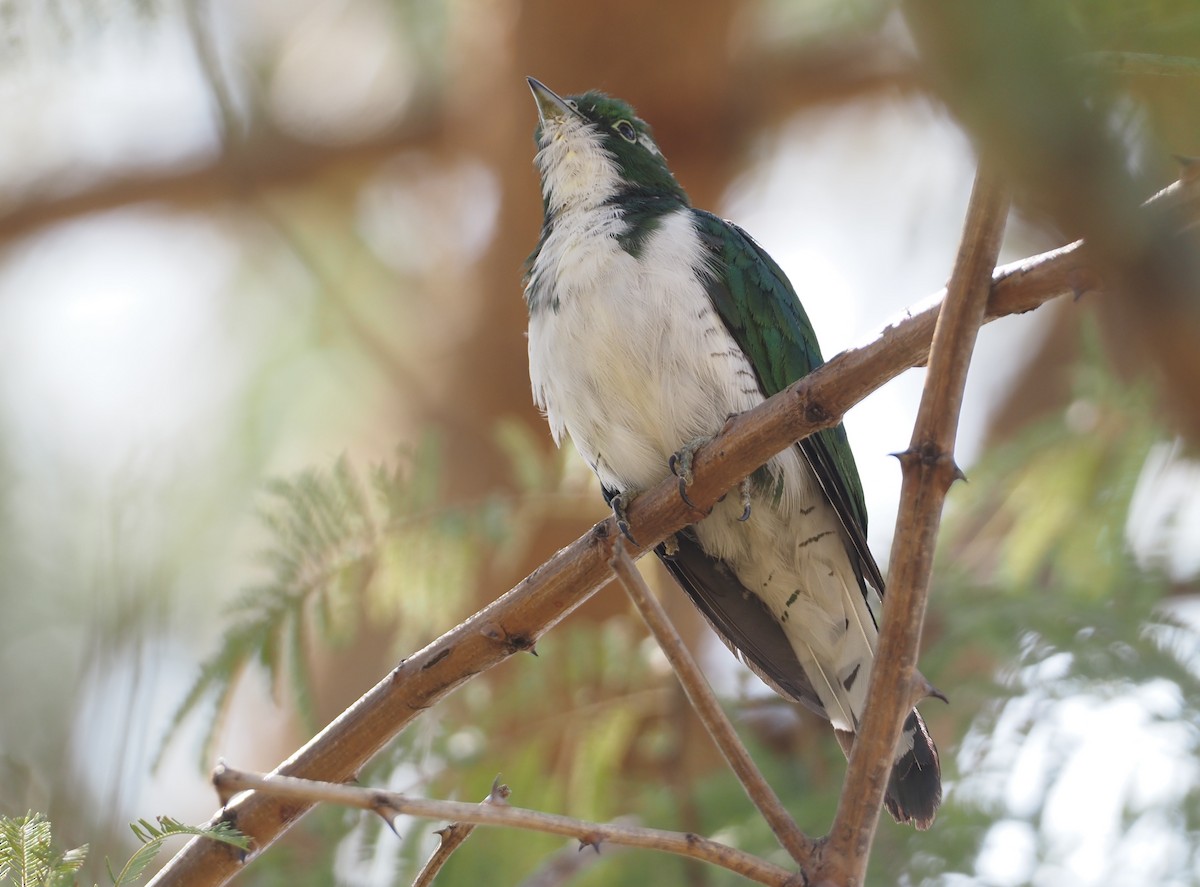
x=625, y=129
x=572, y=104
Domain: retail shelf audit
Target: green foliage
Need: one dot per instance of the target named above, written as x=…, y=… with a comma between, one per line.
x=343, y=551
x=28, y=857
x=153, y=836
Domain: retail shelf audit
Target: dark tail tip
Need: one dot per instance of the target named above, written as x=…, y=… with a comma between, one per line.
x=915, y=788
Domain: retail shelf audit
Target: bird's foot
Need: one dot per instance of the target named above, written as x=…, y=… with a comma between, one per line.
x=620, y=504
x=680, y=464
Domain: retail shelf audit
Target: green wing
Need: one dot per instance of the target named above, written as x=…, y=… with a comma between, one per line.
x=762, y=313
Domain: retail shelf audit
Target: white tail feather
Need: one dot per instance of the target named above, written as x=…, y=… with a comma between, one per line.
x=836, y=705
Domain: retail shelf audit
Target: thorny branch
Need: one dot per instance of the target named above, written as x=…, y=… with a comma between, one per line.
x=389, y=805
x=704, y=703
x=515, y=621
x=453, y=836
x=929, y=470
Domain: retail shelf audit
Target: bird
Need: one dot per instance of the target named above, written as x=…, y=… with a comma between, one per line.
x=651, y=323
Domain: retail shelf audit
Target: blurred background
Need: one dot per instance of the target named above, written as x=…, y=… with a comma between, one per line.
x=265, y=421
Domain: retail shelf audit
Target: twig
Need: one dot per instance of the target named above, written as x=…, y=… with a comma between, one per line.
x=590, y=834
x=929, y=470
x=453, y=836
x=515, y=621
x=565, y=865
x=704, y=701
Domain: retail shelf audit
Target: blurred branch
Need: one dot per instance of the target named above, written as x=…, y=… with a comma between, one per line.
x=514, y=622
x=264, y=160
x=706, y=706
x=929, y=470
x=453, y=836
x=774, y=86
x=1010, y=73
x=778, y=84
x=389, y=805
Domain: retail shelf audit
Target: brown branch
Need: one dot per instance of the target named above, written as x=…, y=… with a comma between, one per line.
x=453, y=836
x=780, y=82
x=590, y=834
x=266, y=159
x=515, y=621
x=705, y=703
x=929, y=470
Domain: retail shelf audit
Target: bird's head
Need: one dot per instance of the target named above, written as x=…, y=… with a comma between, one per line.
x=594, y=150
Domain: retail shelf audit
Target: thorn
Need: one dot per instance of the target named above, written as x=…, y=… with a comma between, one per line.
x=922, y=689
x=389, y=815
x=594, y=843
x=499, y=793
x=959, y=474
x=494, y=631
x=224, y=795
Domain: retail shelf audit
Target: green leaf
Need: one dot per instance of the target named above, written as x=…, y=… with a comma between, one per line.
x=153, y=837
x=28, y=857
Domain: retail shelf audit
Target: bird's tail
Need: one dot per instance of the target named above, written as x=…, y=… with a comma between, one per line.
x=914, y=789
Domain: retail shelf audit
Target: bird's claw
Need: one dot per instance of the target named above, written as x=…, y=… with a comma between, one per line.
x=680, y=464
x=620, y=504
x=683, y=485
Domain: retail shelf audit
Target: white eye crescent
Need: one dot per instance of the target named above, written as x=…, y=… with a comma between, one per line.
x=625, y=130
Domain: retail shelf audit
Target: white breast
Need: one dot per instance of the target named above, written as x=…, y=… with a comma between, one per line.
x=634, y=362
